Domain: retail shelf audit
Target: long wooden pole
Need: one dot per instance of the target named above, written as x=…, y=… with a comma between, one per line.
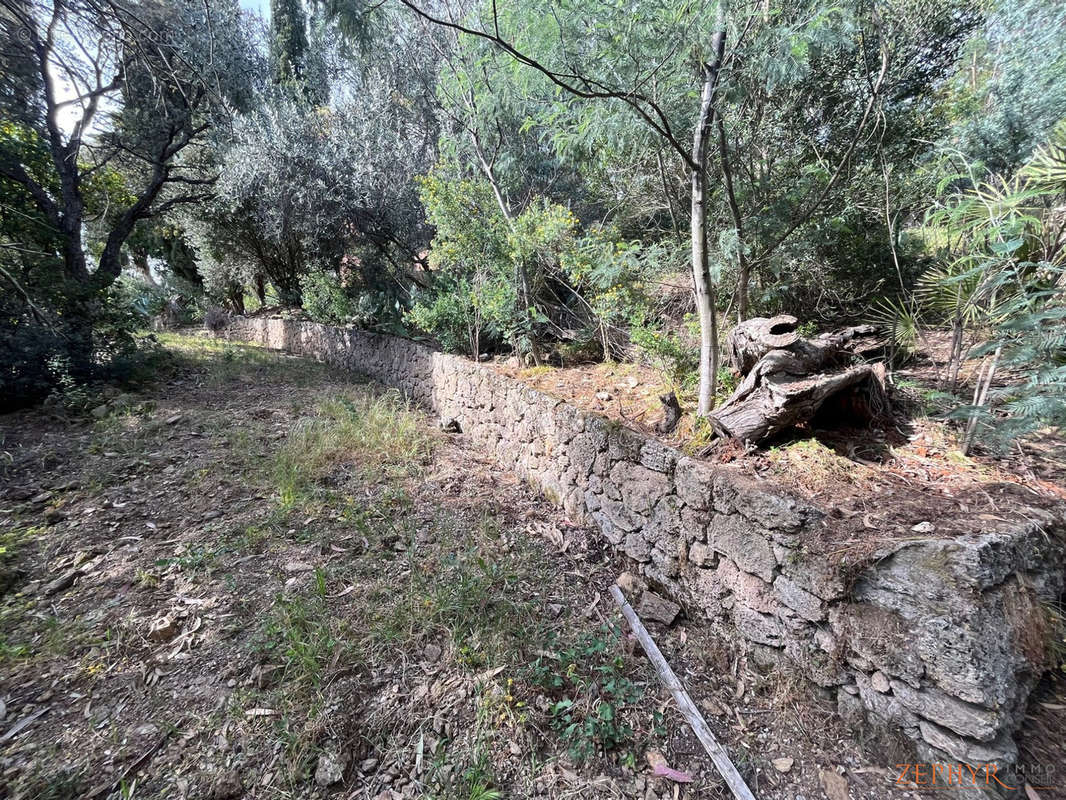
x=715, y=750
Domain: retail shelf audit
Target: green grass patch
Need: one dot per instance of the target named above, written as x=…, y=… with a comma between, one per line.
x=302, y=635
x=467, y=596
x=366, y=436
x=224, y=362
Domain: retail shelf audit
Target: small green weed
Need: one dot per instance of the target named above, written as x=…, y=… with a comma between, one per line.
x=299, y=633
x=592, y=694
x=194, y=560
x=473, y=782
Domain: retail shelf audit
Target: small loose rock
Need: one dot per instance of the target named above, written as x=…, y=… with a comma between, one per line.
x=656, y=608
x=330, y=769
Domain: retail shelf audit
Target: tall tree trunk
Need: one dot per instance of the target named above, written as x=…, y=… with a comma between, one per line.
x=701, y=274
x=958, y=334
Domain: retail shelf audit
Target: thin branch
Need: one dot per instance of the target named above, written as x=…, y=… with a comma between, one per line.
x=859, y=130
x=644, y=106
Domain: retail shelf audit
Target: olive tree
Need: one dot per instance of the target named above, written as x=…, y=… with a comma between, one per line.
x=302, y=185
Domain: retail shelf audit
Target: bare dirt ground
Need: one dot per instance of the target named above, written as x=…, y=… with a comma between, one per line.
x=261, y=578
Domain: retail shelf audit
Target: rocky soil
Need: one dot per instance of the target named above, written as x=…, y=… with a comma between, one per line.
x=260, y=579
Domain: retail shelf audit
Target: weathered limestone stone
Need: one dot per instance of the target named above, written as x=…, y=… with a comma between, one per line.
x=694, y=524
x=620, y=516
x=827, y=641
x=624, y=444
x=710, y=593
x=630, y=584
x=964, y=718
x=811, y=573
x=880, y=682
x=749, y=589
x=700, y=554
x=886, y=707
x=695, y=481
x=737, y=538
x=611, y=532
x=879, y=637
x=761, y=628
x=772, y=510
x=665, y=524
x=664, y=554
x=582, y=450
x=1002, y=750
x=799, y=600
x=658, y=456
x=655, y=608
x=637, y=548
x=574, y=504
x=644, y=487
x=814, y=662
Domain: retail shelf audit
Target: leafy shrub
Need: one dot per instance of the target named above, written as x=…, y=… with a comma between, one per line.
x=451, y=316
x=672, y=355
x=493, y=274
x=324, y=299
x=612, y=274
x=44, y=351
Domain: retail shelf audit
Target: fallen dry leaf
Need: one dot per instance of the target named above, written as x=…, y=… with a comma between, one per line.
x=660, y=769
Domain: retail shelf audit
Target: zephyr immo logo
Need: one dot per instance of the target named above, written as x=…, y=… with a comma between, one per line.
x=934, y=775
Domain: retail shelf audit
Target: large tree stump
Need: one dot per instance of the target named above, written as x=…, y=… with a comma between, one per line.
x=788, y=379
x=751, y=340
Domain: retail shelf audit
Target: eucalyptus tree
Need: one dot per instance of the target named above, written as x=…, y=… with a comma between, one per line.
x=667, y=63
x=119, y=98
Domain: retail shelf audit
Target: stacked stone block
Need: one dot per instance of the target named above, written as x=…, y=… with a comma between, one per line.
x=939, y=638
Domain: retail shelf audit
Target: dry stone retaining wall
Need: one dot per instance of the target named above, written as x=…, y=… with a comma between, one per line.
x=940, y=638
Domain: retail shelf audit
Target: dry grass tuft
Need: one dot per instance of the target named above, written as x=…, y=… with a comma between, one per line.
x=365, y=435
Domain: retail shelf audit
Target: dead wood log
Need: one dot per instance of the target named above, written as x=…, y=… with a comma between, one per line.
x=671, y=413
x=774, y=401
x=790, y=384
x=692, y=715
x=864, y=341
x=752, y=339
